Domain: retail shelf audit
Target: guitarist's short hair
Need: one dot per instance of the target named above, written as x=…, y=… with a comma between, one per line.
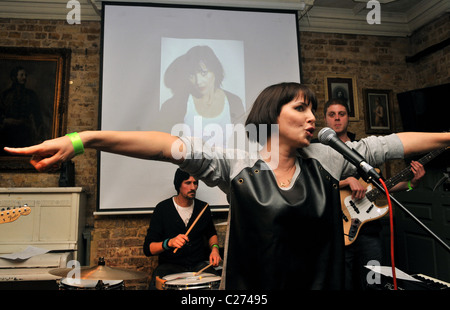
x=334, y=101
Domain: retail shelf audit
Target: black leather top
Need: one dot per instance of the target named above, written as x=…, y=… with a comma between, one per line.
x=285, y=239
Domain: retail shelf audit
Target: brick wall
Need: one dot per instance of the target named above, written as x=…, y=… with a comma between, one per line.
x=374, y=61
x=84, y=42
x=433, y=69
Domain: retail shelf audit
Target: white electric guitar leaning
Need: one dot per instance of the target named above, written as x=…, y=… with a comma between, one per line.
x=356, y=213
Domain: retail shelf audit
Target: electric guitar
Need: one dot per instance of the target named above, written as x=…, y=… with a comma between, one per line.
x=10, y=215
x=356, y=213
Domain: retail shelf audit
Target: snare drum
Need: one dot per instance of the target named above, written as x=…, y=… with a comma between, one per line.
x=189, y=281
x=81, y=284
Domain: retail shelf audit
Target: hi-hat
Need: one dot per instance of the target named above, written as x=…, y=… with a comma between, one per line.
x=99, y=272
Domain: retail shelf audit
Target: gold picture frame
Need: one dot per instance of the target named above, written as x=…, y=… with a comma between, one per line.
x=344, y=88
x=378, y=111
x=33, y=99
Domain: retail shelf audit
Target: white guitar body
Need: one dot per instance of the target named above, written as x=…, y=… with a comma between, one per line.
x=359, y=212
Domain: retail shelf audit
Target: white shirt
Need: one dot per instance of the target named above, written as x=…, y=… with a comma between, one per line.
x=211, y=129
x=184, y=212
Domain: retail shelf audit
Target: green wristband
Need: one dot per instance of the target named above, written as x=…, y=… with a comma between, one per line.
x=215, y=246
x=410, y=188
x=76, y=142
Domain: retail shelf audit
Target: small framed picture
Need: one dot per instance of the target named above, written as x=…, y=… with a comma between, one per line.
x=344, y=88
x=33, y=99
x=378, y=111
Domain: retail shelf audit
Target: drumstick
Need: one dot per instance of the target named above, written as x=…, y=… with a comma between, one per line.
x=193, y=224
x=201, y=270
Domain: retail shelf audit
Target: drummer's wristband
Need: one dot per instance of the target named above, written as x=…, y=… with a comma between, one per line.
x=76, y=142
x=215, y=245
x=165, y=244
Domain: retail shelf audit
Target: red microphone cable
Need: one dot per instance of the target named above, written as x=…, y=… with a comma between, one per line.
x=391, y=222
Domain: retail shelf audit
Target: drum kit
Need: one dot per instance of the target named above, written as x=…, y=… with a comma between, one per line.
x=188, y=281
x=99, y=277
x=102, y=277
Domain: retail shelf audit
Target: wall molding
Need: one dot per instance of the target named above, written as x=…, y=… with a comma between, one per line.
x=312, y=18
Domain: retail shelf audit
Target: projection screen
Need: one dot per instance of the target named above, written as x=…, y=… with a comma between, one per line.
x=146, y=51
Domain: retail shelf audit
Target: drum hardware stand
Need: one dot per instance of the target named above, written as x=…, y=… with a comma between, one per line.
x=101, y=261
x=100, y=285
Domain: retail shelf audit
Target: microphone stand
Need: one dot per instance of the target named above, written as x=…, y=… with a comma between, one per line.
x=381, y=188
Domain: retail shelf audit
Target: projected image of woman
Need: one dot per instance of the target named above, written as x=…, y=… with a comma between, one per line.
x=198, y=100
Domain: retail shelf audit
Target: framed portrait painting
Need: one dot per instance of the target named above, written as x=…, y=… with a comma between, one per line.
x=344, y=88
x=378, y=111
x=33, y=99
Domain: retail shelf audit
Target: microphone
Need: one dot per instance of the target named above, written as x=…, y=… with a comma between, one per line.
x=329, y=137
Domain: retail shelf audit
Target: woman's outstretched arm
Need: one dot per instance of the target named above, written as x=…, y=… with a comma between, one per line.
x=423, y=142
x=146, y=145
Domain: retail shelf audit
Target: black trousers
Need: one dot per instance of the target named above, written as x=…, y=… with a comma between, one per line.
x=366, y=248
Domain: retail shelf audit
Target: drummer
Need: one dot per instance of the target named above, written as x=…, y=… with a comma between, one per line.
x=166, y=235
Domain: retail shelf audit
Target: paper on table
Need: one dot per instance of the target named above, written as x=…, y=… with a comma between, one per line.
x=30, y=251
x=387, y=271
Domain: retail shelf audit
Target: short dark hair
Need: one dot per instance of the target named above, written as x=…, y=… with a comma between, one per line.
x=178, y=72
x=179, y=177
x=334, y=101
x=206, y=55
x=268, y=104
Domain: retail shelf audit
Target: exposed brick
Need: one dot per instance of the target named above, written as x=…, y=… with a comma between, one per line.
x=374, y=61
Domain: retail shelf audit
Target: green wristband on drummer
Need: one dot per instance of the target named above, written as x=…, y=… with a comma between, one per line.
x=78, y=146
x=215, y=245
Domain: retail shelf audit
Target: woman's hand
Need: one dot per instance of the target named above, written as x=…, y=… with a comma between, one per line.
x=48, y=154
x=145, y=145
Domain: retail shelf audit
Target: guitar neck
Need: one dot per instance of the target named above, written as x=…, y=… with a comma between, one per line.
x=403, y=175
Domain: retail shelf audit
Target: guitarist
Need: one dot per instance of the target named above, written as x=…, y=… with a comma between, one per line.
x=368, y=244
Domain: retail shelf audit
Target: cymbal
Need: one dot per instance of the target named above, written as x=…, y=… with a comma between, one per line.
x=99, y=272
